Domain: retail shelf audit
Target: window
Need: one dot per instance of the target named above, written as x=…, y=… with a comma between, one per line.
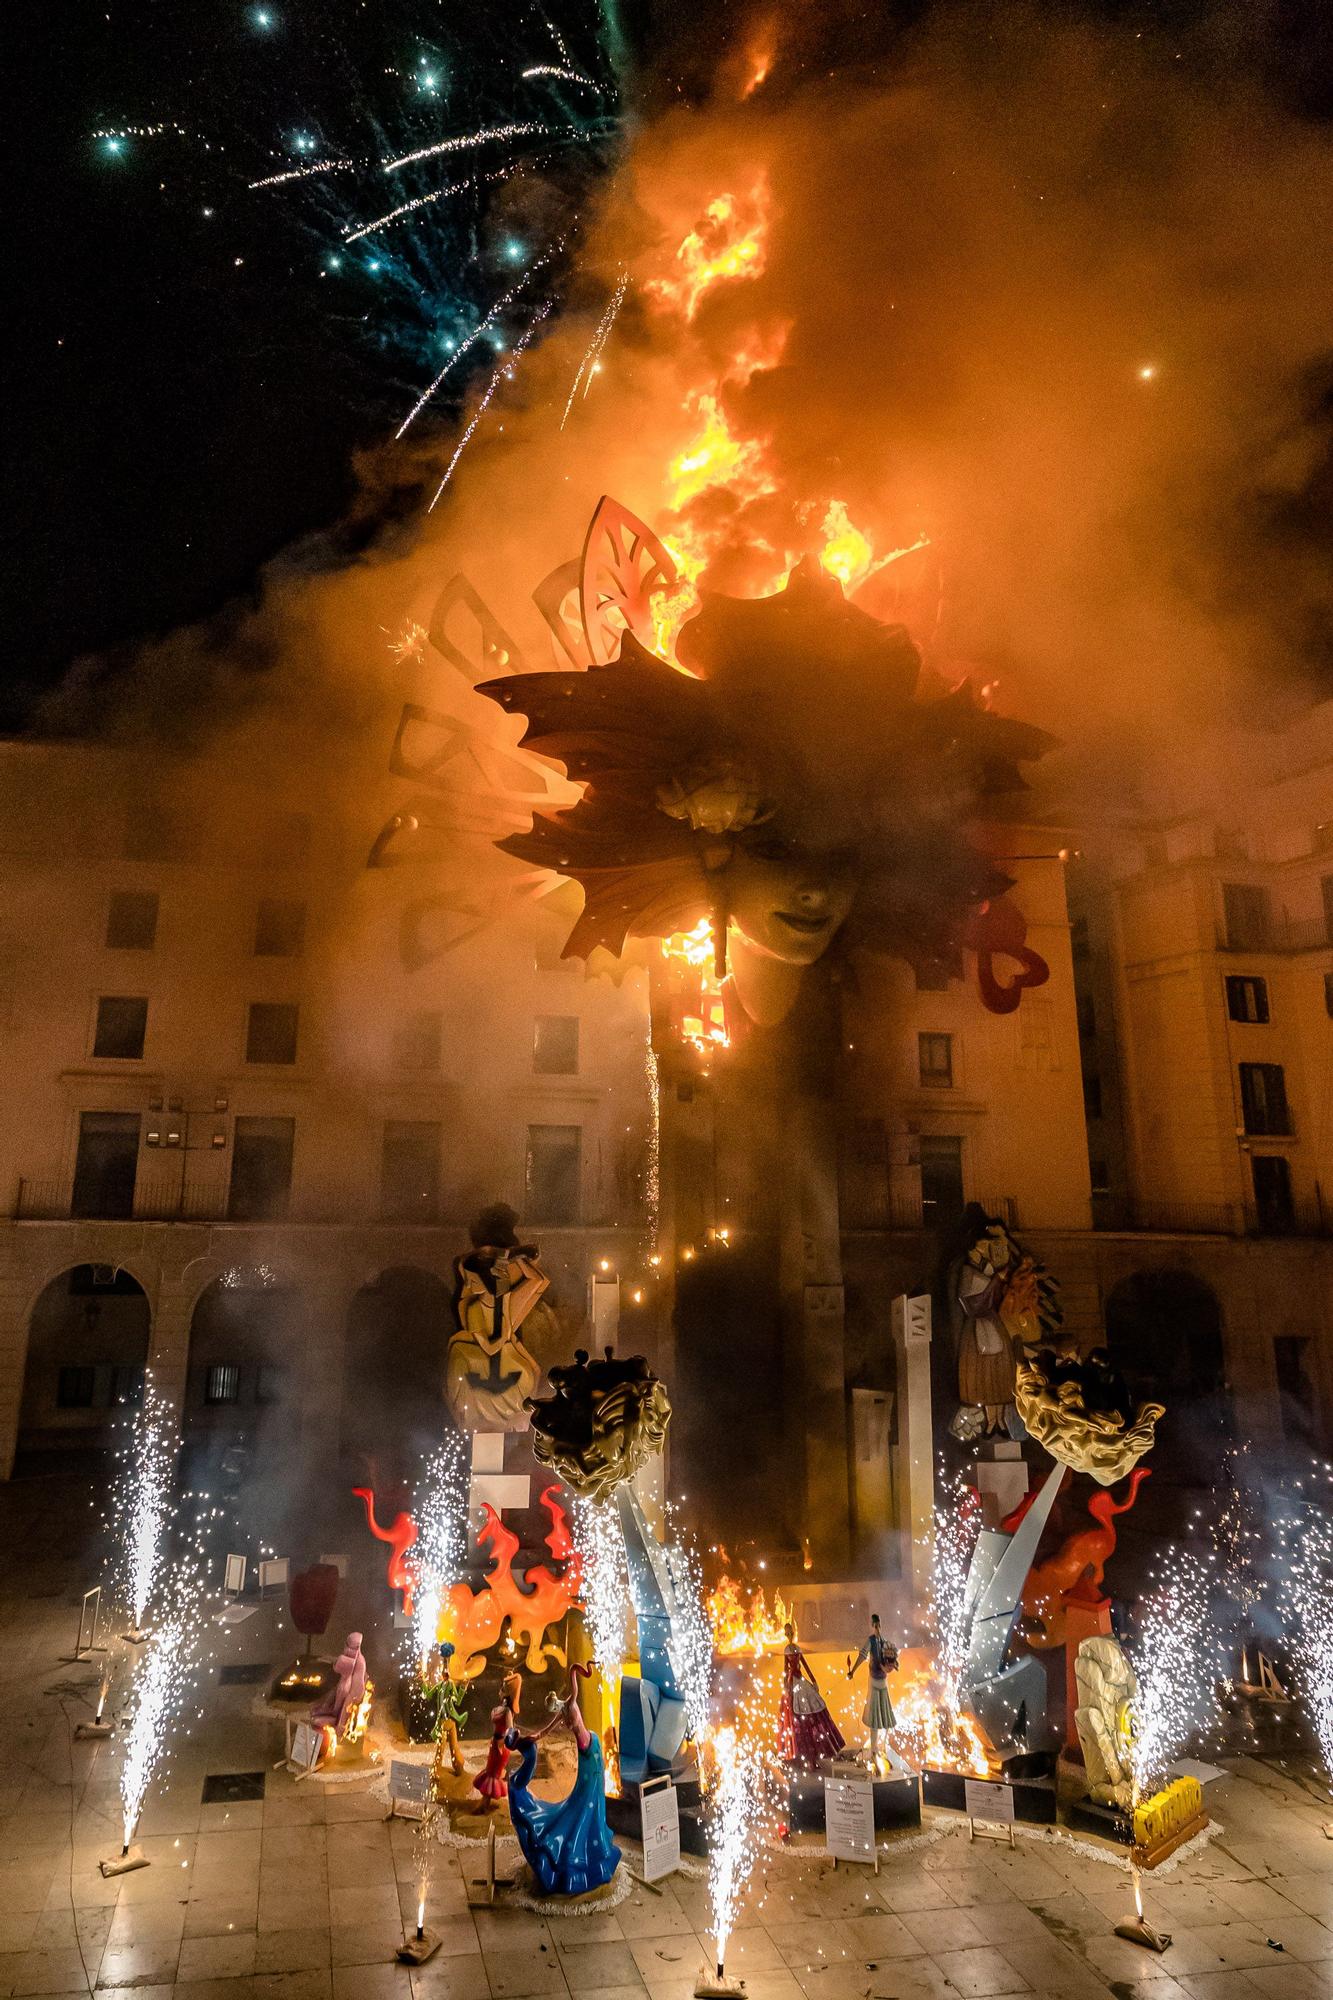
x=935, y=1060
x=222, y=1383
x=127, y=1386
x=555, y=1045
x=1326, y=891
x=156, y=831
x=271, y=1386
x=1328, y=994
x=1230, y=844
x=410, y=1171
x=75, y=1388
x=1086, y=1008
x=1247, y=998
x=417, y=1041
x=1272, y=1193
x=1092, y=1094
x=261, y=1169
x=1297, y=1402
x=1247, y=916
x=1079, y=943
x=121, y=1025
x=131, y=921
x=1263, y=1096
x=271, y=1034
x=284, y=838
x=1100, y=1176
x=554, y=1171
x=941, y=1157
x=106, y=1164
x=279, y=929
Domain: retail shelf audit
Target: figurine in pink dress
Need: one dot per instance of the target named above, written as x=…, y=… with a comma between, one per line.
x=493, y=1784
x=807, y=1733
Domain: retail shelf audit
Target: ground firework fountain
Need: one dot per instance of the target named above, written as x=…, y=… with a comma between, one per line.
x=141, y=1506
x=734, y=1812
x=1306, y=1598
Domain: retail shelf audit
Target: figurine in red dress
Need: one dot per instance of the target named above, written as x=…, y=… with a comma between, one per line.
x=807, y=1733
x=492, y=1783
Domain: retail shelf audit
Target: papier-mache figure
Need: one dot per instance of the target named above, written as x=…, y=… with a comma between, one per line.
x=882, y=1658
x=348, y=1690
x=566, y=1842
x=492, y=1782
x=1107, y=1690
x=489, y=1373
x=1004, y=1303
x=807, y=1733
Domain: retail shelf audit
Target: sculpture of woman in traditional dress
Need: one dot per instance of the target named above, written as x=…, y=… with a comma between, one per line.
x=566, y=1842
x=492, y=1782
x=807, y=1733
x=877, y=1714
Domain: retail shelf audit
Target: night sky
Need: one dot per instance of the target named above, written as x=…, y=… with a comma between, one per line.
x=188, y=378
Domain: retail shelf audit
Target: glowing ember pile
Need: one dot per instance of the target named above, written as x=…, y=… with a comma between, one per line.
x=439, y=1508
x=741, y=1627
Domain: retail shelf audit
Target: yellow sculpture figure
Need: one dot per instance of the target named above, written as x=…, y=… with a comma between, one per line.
x=489, y=1373
x=1082, y=1412
x=1104, y=1719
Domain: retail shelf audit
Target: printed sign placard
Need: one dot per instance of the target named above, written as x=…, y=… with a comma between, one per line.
x=273, y=1573
x=984, y=1799
x=409, y=1785
x=305, y=1746
x=849, y=1819
x=233, y=1575
x=661, y=1829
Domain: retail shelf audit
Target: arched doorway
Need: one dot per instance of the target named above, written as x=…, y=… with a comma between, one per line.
x=393, y=1405
x=246, y=1337
x=1164, y=1330
x=87, y=1350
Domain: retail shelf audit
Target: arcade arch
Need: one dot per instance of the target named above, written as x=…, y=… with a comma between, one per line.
x=88, y=1338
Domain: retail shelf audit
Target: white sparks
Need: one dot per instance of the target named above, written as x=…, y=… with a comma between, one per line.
x=692, y=1641
x=426, y=200
x=521, y=130
x=505, y=370
x=303, y=173
x=1307, y=1606
x=560, y=75
x=734, y=1811
x=601, y=334
x=1176, y=1661
x=141, y=1502
x=168, y=1668
x=475, y=336
x=604, y=1586
x=439, y=1507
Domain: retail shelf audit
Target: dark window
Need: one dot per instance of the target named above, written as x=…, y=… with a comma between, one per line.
x=284, y=838
x=261, y=1169
x=935, y=1060
x=410, y=1171
x=1272, y=1193
x=271, y=1034
x=1295, y=1387
x=222, y=1383
x=1326, y=891
x=1247, y=916
x=1263, y=1096
x=279, y=929
x=1086, y=1008
x=107, y=1162
x=1247, y=998
x=121, y=1026
x=131, y=921
x=941, y=1157
x=127, y=1386
x=159, y=832
x=417, y=1041
x=1079, y=942
x=554, y=1164
x=1229, y=844
x=75, y=1388
x=555, y=1045
x=1092, y=1094
x=1328, y=994
x=1101, y=1179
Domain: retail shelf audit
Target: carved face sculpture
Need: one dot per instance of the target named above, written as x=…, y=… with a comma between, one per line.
x=784, y=903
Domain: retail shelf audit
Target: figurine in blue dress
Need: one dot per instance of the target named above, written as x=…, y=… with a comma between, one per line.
x=566, y=1842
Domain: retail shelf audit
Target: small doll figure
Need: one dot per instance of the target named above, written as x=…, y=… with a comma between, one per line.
x=492, y=1783
x=807, y=1733
x=451, y=1715
x=877, y=1714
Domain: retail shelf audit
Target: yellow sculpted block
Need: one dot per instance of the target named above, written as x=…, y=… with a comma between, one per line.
x=1167, y=1811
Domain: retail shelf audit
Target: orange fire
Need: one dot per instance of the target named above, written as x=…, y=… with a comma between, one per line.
x=698, y=1009
x=930, y=1730
x=728, y=241
x=740, y=1628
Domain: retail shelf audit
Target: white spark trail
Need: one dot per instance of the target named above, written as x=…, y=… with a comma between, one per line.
x=172, y=1659
x=520, y=130
x=303, y=173
x=475, y=335
x=425, y=200
x=439, y=1507
x=505, y=370
x=1176, y=1661
x=601, y=334
x=141, y=1502
x=562, y=75
x=1307, y=1605
x=735, y=1806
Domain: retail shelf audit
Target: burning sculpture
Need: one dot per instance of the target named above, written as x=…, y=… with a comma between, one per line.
x=792, y=788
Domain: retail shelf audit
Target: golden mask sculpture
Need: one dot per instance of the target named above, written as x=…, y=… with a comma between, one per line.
x=489, y=1373
x=1079, y=1408
x=604, y=1420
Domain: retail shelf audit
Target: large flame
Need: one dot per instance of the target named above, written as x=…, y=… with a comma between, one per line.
x=698, y=1009
x=929, y=1730
x=746, y=1627
x=728, y=241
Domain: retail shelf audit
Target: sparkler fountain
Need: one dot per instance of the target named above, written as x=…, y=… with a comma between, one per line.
x=141, y=1506
x=1307, y=1603
x=735, y=1806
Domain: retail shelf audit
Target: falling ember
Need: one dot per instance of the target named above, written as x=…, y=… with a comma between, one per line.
x=1176, y=1664
x=439, y=1507
x=141, y=1502
x=728, y=242
x=735, y=1806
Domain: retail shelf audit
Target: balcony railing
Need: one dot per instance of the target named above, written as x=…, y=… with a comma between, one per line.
x=1280, y=934
x=1200, y=1218
x=187, y=1201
